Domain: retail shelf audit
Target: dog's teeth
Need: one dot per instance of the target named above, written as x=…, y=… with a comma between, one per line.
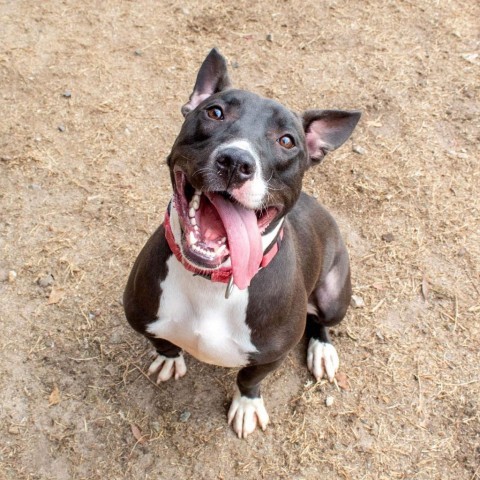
x=195, y=227
x=191, y=212
x=221, y=249
x=192, y=238
x=198, y=193
x=223, y=239
x=194, y=202
x=193, y=221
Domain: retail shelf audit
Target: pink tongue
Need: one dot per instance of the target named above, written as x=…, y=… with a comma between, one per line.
x=244, y=239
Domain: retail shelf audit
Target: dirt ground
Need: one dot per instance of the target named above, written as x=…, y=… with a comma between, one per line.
x=90, y=97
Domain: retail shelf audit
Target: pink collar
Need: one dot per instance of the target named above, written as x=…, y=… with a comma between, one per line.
x=222, y=274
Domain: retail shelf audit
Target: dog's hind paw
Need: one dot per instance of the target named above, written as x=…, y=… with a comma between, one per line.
x=245, y=413
x=167, y=367
x=322, y=359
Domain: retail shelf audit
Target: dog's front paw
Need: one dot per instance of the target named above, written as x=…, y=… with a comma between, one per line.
x=322, y=359
x=245, y=413
x=167, y=367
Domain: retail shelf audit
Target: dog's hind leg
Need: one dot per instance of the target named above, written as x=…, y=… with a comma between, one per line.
x=326, y=307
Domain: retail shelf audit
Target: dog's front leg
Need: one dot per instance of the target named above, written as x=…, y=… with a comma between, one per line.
x=168, y=361
x=247, y=408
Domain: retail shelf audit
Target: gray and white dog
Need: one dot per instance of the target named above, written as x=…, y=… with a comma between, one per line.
x=244, y=262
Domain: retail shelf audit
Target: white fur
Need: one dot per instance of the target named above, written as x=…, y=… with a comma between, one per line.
x=245, y=413
x=168, y=367
x=331, y=286
x=267, y=239
x=194, y=315
x=322, y=359
x=252, y=193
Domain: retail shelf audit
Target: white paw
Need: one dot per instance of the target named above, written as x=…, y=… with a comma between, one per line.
x=245, y=413
x=168, y=367
x=322, y=359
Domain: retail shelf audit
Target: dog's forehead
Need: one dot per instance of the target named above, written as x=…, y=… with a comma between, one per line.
x=258, y=108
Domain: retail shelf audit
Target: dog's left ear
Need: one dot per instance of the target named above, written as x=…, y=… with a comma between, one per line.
x=326, y=130
x=212, y=78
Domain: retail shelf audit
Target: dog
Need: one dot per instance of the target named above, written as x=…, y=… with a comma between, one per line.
x=244, y=262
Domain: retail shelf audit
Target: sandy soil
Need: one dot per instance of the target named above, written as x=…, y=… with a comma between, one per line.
x=90, y=97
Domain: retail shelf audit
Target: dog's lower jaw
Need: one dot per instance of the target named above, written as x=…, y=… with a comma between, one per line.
x=246, y=413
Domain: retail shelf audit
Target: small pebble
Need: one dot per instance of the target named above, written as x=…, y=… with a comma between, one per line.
x=116, y=337
x=46, y=280
x=12, y=276
x=111, y=369
x=388, y=237
x=269, y=37
x=358, y=149
x=329, y=401
x=35, y=186
x=156, y=427
x=67, y=94
x=61, y=128
x=357, y=301
x=138, y=53
x=184, y=416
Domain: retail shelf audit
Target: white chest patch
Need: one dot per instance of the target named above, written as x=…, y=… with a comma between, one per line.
x=194, y=315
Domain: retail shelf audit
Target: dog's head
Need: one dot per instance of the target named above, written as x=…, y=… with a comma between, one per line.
x=237, y=167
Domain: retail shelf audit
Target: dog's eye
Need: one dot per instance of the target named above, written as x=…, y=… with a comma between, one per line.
x=286, y=142
x=215, y=113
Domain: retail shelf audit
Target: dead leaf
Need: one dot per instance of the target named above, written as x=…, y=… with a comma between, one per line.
x=54, y=397
x=342, y=380
x=137, y=433
x=56, y=295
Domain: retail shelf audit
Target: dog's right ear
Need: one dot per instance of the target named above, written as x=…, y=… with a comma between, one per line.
x=212, y=78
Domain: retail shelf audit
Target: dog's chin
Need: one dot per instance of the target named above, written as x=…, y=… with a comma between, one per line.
x=205, y=240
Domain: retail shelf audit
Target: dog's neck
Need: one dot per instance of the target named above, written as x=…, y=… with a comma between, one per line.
x=271, y=242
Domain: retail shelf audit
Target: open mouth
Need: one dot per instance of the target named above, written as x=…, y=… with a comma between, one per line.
x=215, y=227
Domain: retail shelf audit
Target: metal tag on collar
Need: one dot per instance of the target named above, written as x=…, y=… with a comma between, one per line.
x=229, y=288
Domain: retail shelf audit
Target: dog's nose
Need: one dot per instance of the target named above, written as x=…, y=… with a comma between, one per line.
x=236, y=164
